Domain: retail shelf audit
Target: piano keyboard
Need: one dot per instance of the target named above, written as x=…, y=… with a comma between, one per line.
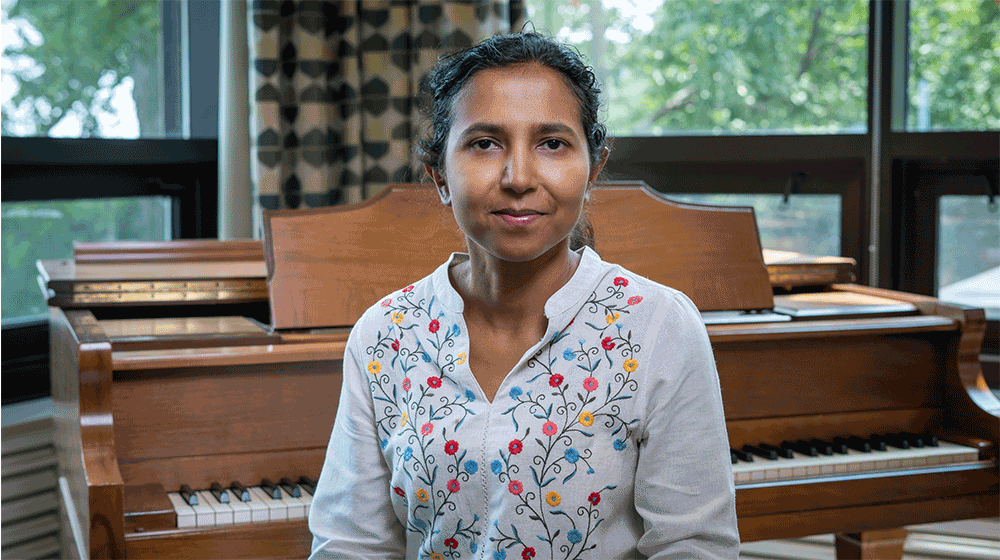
x=208, y=510
x=814, y=459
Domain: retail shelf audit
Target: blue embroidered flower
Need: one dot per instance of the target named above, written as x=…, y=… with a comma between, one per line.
x=426, y=357
x=471, y=467
x=420, y=523
x=500, y=554
x=473, y=546
x=496, y=466
x=384, y=443
x=470, y=395
x=515, y=392
x=569, y=354
x=619, y=444
x=571, y=455
x=407, y=453
x=574, y=536
x=455, y=331
x=582, y=342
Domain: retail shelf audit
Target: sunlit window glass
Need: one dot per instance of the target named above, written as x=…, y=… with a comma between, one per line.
x=954, y=72
x=969, y=252
x=47, y=230
x=722, y=66
x=81, y=68
x=807, y=223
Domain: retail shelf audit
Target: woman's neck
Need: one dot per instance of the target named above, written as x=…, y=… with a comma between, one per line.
x=512, y=295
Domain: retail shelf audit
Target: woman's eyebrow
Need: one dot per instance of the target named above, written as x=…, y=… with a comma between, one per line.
x=496, y=130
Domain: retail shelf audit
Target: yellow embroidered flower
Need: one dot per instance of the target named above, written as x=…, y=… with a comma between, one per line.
x=461, y=358
x=422, y=495
x=630, y=365
x=587, y=419
x=374, y=367
x=403, y=419
x=397, y=317
x=613, y=317
x=553, y=498
x=436, y=556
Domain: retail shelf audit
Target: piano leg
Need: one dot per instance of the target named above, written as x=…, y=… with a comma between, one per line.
x=875, y=545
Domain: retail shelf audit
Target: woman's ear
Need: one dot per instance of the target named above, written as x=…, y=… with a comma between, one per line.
x=595, y=171
x=439, y=182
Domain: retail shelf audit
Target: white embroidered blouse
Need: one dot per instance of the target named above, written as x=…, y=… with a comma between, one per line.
x=606, y=440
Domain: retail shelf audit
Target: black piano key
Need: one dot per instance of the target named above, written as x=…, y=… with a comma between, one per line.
x=877, y=442
x=898, y=440
x=290, y=487
x=742, y=455
x=800, y=446
x=732, y=457
x=782, y=452
x=240, y=491
x=270, y=488
x=856, y=444
x=308, y=483
x=825, y=447
x=220, y=493
x=188, y=495
x=922, y=440
x=770, y=455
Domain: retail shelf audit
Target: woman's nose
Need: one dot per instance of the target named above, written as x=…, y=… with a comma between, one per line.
x=518, y=171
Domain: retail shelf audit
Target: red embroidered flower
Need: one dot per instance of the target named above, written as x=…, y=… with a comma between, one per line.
x=515, y=487
x=571, y=323
x=549, y=428
x=634, y=300
x=453, y=486
x=528, y=553
x=427, y=428
x=515, y=446
x=619, y=281
x=590, y=384
x=595, y=498
x=556, y=380
x=451, y=447
x=434, y=326
x=406, y=383
x=407, y=289
x=399, y=491
x=386, y=302
x=607, y=344
x=395, y=345
x=451, y=543
x=434, y=382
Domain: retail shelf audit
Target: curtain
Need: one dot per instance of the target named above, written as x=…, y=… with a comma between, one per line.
x=333, y=88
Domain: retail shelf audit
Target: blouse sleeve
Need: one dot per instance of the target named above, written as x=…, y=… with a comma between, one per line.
x=684, y=482
x=351, y=514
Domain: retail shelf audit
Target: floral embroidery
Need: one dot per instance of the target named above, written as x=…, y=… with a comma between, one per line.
x=451, y=543
x=374, y=367
x=515, y=447
x=528, y=552
x=611, y=318
x=634, y=300
x=451, y=447
x=399, y=491
x=408, y=289
x=550, y=428
x=434, y=326
x=553, y=498
x=591, y=384
x=461, y=358
x=397, y=317
x=515, y=487
x=630, y=365
x=555, y=380
x=386, y=302
x=587, y=419
x=619, y=281
x=434, y=382
x=454, y=486
x=422, y=495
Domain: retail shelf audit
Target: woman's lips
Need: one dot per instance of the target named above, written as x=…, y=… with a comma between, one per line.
x=518, y=217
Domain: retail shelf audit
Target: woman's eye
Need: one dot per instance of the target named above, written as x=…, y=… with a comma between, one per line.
x=483, y=144
x=553, y=144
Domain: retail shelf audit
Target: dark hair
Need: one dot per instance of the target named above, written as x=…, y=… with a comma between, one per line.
x=440, y=87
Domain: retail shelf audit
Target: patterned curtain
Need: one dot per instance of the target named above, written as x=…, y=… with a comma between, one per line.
x=333, y=89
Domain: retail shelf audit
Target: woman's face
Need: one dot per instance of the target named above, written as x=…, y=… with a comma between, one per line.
x=516, y=164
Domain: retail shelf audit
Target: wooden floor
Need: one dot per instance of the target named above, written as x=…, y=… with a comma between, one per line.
x=978, y=539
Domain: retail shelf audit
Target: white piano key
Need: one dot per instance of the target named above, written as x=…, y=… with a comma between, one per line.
x=223, y=513
x=277, y=509
x=186, y=516
x=891, y=460
x=307, y=499
x=259, y=512
x=204, y=514
x=242, y=512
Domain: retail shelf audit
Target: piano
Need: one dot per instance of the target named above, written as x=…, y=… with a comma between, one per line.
x=851, y=410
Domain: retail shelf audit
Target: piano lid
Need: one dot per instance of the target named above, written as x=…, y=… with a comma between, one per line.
x=710, y=253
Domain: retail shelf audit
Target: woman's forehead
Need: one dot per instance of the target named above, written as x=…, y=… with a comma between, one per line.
x=518, y=94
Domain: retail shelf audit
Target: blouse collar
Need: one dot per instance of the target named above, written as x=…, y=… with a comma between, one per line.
x=569, y=297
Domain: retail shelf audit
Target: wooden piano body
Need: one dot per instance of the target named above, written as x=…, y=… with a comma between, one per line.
x=147, y=404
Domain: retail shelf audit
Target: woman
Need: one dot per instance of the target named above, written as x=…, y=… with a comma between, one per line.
x=526, y=399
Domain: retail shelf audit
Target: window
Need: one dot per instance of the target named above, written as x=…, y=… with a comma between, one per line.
x=47, y=230
x=968, y=248
x=722, y=67
x=954, y=68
